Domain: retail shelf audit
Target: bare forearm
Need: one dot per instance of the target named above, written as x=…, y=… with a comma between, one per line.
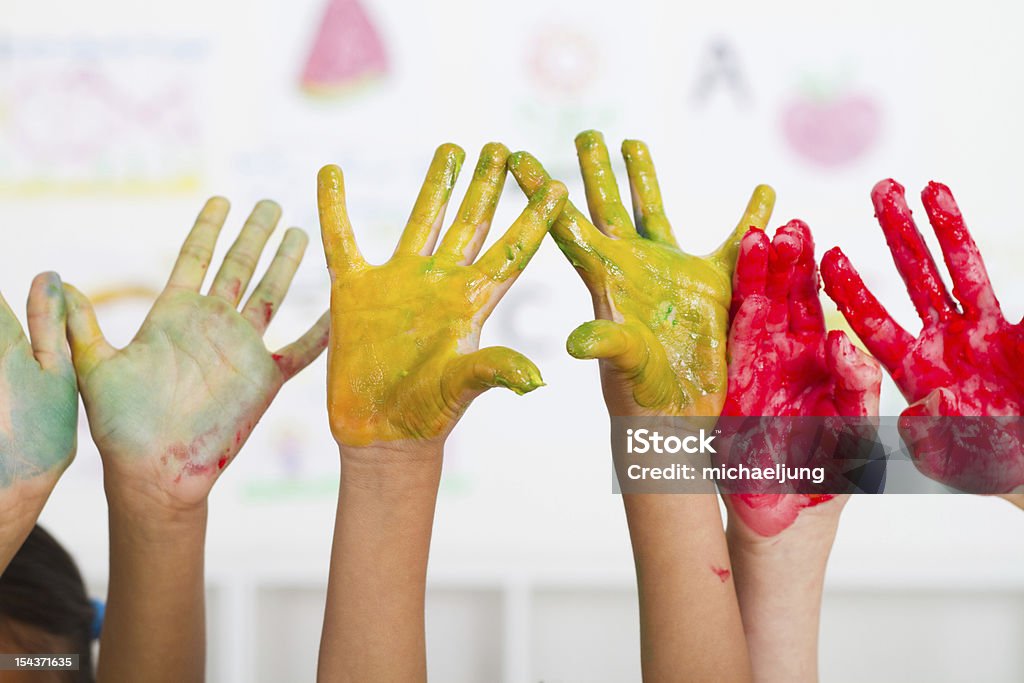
x=373, y=622
x=690, y=626
x=13, y=532
x=20, y=505
x=155, y=624
x=779, y=582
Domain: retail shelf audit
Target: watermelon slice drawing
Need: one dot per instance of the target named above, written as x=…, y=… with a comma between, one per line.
x=347, y=52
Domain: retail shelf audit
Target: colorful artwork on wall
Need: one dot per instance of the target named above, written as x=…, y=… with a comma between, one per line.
x=137, y=124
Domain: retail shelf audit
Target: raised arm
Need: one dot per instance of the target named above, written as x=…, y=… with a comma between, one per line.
x=169, y=412
x=38, y=410
x=784, y=364
x=404, y=365
x=660, y=334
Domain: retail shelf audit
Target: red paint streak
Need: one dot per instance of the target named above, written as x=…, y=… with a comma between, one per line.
x=194, y=468
x=722, y=574
x=769, y=514
x=186, y=454
x=222, y=462
x=268, y=312
x=179, y=451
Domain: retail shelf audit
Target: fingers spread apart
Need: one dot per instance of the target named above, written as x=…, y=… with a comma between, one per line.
x=881, y=334
x=971, y=285
x=910, y=253
x=265, y=300
x=463, y=240
x=240, y=262
x=427, y=216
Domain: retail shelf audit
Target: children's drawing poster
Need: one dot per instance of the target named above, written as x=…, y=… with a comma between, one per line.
x=85, y=114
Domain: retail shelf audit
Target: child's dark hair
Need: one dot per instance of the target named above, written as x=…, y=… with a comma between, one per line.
x=44, y=608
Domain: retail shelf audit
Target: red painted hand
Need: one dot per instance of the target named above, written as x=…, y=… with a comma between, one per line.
x=966, y=361
x=783, y=363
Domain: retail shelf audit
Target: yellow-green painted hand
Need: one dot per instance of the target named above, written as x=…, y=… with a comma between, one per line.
x=663, y=314
x=169, y=411
x=403, y=362
x=38, y=401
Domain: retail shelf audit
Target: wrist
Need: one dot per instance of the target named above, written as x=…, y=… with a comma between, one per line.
x=22, y=501
x=392, y=467
x=805, y=545
x=141, y=520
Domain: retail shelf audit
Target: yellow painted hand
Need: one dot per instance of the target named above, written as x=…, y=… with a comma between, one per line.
x=171, y=410
x=663, y=314
x=403, y=359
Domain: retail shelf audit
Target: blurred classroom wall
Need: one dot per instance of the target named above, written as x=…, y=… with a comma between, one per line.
x=117, y=121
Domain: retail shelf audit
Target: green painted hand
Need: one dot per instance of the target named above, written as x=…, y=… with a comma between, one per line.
x=663, y=314
x=404, y=362
x=38, y=400
x=169, y=411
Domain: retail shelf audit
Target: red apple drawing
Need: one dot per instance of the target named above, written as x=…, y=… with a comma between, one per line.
x=833, y=131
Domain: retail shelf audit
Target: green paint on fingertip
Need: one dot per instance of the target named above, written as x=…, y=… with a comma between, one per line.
x=589, y=139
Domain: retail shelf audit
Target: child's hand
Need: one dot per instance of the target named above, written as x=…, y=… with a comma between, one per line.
x=404, y=362
x=169, y=411
x=782, y=362
x=966, y=362
x=38, y=410
x=662, y=313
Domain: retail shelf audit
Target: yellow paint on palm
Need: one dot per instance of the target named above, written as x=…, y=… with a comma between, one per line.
x=662, y=314
x=403, y=359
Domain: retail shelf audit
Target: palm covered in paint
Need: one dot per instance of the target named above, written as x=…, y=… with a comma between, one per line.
x=170, y=410
x=38, y=397
x=783, y=363
x=662, y=314
x=403, y=360
x=965, y=363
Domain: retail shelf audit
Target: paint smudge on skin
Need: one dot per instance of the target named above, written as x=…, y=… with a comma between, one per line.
x=186, y=453
x=268, y=312
x=722, y=573
x=222, y=462
x=769, y=514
